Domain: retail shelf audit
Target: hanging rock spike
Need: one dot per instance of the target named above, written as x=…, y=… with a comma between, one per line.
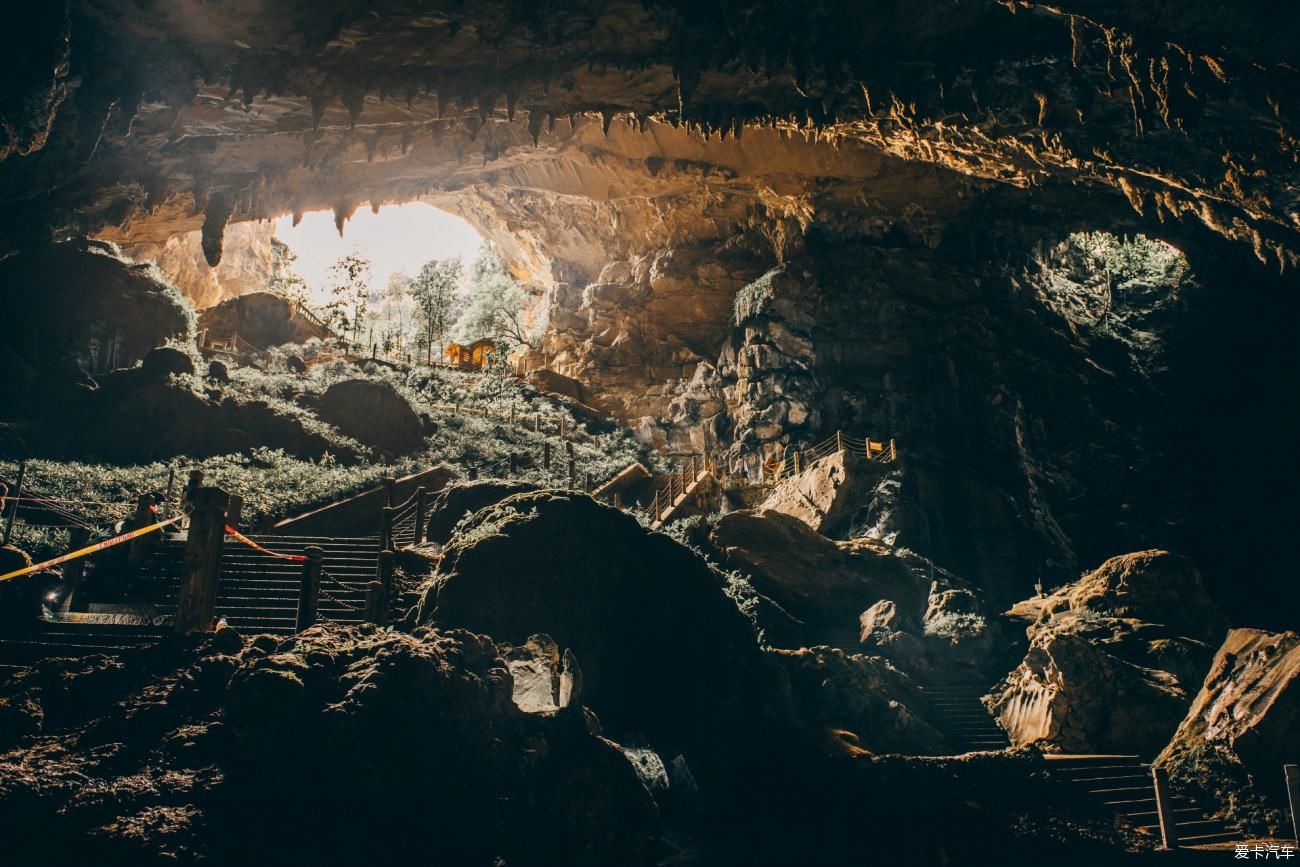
x=535, y=119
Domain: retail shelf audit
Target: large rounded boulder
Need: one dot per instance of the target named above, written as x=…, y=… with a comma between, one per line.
x=664, y=651
x=374, y=414
x=458, y=500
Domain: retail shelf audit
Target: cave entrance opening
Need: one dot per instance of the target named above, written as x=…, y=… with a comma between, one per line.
x=392, y=279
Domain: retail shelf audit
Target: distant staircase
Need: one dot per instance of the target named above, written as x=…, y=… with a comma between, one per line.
x=962, y=718
x=1124, y=785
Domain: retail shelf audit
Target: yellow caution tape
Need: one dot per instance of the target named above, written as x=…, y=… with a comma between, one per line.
x=299, y=558
x=90, y=549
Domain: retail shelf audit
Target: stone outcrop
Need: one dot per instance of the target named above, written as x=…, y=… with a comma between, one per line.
x=247, y=263
x=592, y=578
x=861, y=694
x=152, y=762
x=1242, y=727
x=1117, y=677
x=828, y=493
x=374, y=414
x=263, y=319
x=77, y=309
x=808, y=575
x=459, y=500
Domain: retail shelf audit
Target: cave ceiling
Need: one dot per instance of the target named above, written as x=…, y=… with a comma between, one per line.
x=573, y=133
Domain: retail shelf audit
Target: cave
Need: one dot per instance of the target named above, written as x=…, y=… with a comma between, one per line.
x=645, y=432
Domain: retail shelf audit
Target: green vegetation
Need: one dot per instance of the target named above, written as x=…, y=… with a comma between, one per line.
x=495, y=304
x=752, y=300
x=275, y=485
x=956, y=627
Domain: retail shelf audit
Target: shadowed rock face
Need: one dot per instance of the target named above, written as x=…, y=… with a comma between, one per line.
x=1242, y=727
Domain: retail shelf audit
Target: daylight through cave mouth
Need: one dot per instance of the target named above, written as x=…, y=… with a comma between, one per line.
x=637, y=417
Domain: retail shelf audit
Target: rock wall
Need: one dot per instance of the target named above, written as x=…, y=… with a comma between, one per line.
x=247, y=265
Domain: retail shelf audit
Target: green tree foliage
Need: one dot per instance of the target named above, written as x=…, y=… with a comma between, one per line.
x=495, y=307
x=350, y=293
x=434, y=291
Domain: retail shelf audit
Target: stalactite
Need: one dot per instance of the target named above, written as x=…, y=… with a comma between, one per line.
x=535, y=120
x=215, y=217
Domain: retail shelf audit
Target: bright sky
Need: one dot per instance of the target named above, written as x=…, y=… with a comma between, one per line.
x=398, y=238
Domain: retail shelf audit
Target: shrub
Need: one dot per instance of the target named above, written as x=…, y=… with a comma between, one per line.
x=753, y=299
x=955, y=627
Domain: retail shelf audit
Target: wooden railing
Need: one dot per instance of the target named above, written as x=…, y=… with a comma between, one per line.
x=668, y=499
x=795, y=462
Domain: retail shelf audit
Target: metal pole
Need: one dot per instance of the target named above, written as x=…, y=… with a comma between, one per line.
x=13, y=506
x=309, y=590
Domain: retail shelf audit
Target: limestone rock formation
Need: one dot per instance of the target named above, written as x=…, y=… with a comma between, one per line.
x=1117, y=677
x=592, y=578
x=862, y=694
x=1242, y=727
x=247, y=264
x=810, y=576
x=458, y=500
x=262, y=319
x=159, y=760
x=372, y=413
x=827, y=494
x=76, y=309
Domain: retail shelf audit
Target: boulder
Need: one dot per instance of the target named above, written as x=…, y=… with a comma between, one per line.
x=1243, y=726
x=810, y=576
x=827, y=494
x=263, y=319
x=295, y=364
x=865, y=695
x=218, y=372
x=1113, y=662
x=374, y=414
x=544, y=379
x=165, y=362
x=664, y=651
x=79, y=308
x=459, y=500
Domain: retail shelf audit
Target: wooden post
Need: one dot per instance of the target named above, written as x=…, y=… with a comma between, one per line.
x=234, y=511
x=421, y=509
x=167, y=496
x=374, y=601
x=512, y=413
x=143, y=517
x=1165, y=808
x=380, y=613
x=618, y=500
x=514, y=463
x=1292, y=773
x=201, y=566
x=893, y=450
x=546, y=455
x=561, y=425
x=386, y=526
x=839, y=441
x=309, y=590
x=537, y=422
x=654, y=506
x=390, y=490
x=472, y=472
x=72, y=573
x=13, y=506
x=590, y=485
x=568, y=448
x=573, y=474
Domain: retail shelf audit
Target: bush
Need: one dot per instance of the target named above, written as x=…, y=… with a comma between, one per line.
x=753, y=299
x=956, y=627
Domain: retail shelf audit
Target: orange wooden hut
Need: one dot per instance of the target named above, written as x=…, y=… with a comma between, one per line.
x=472, y=356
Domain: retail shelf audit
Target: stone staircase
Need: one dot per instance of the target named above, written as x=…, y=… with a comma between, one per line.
x=258, y=592
x=958, y=713
x=1123, y=784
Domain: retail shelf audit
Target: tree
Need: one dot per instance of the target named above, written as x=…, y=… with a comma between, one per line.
x=496, y=302
x=350, y=290
x=434, y=293
x=284, y=279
